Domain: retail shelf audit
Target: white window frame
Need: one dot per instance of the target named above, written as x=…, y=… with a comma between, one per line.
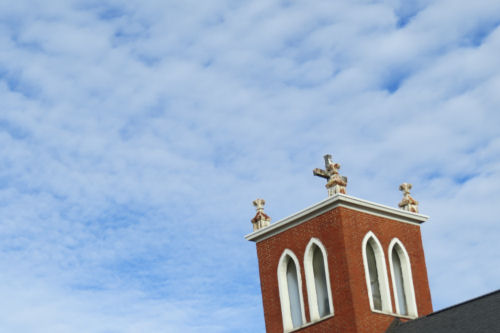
x=283, y=290
x=383, y=281
x=404, y=258
x=310, y=283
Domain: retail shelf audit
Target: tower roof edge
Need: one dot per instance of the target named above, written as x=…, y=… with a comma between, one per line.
x=338, y=200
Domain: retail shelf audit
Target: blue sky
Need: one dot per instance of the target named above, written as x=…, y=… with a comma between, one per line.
x=135, y=135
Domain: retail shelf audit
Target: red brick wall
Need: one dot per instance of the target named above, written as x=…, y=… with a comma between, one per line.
x=341, y=231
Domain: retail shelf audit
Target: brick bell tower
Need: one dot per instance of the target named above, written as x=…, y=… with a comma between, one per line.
x=342, y=265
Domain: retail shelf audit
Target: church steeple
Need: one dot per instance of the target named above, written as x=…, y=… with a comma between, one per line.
x=342, y=265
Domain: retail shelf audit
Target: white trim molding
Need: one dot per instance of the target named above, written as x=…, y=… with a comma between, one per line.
x=310, y=279
x=286, y=314
x=383, y=282
x=338, y=200
x=409, y=290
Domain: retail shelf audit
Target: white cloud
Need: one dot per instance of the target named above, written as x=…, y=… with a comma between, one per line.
x=135, y=135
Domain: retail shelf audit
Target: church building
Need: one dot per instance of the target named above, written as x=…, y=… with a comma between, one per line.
x=350, y=265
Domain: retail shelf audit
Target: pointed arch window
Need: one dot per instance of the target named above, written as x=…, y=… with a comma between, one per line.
x=290, y=290
x=376, y=274
x=317, y=280
x=402, y=281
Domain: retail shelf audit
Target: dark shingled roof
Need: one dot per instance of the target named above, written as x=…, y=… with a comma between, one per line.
x=480, y=314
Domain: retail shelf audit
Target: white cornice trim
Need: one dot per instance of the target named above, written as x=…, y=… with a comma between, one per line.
x=338, y=200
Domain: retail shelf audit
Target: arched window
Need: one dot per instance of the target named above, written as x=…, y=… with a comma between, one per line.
x=376, y=274
x=317, y=280
x=290, y=290
x=402, y=281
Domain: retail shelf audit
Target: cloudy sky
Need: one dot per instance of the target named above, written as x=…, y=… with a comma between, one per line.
x=135, y=134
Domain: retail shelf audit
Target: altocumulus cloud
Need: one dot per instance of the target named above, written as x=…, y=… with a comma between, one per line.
x=134, y=135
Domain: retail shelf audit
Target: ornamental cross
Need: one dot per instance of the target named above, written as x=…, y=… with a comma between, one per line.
x=259, y=204
x=405, y=188
x=261, y=219
x=335, y=182
x=407, y=203
x=330, y=168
